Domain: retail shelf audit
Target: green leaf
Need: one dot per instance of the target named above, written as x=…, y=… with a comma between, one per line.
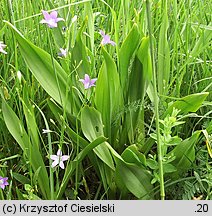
x=40, y=64
x=91, y=122
x=108, y=93
x=32, y=152
x=131, y=177
x=136, y=179
x=127, y=50
x=190, y=103
x=184, y=154
x=152, y=164
x=139, y=79
x=141, y=72
x=22, y=179
x=30, y=117
x=169, y=168
x=88, y=10
x=163, y=55
x=132, y=155
x=92, y=128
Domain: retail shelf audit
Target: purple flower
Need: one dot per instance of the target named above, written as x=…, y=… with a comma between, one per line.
x=106, y=39
x=3, y=182
x=63, y=52
x=2, y=46
x=88, y=82
x=58, y=159
x=51, y=19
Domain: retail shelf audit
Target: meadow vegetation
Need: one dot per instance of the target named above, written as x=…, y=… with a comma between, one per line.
x=105, y=99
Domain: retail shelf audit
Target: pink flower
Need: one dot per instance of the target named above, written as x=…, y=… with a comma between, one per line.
x=58, y=159
x=51, y=19
x=2, y=46
x=63, y=52
x=88, y=82
x=3, y=182
x=106, y=39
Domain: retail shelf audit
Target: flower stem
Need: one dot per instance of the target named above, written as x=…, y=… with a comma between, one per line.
x=156, y=101
x=49, y=138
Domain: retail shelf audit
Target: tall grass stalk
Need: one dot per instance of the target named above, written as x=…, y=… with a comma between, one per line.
x=156, y=102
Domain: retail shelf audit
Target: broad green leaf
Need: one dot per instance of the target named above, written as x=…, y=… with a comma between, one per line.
x=32, y=152
x=169, y=168
x=92, y=128
x=184, y=153
x=102, y=99
x=22, y=179
x=136, y=179
x=141, y=73
x=132, y=155
x=91, y=123
x=139, y=79
x=129, y=176
x=153, y=164
x=127, y=50
x=108, y=93
x=89, y=13
x=40, y=64
x=163, y=55
x=190, y=103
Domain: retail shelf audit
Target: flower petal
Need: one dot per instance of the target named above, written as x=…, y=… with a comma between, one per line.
x=82, y=80
x=54, y=157
x=87, y=85
x=93, y=81
x=6, y=183
x=54, y=163
x=87, y=78
x=3, y=51
x=112, y=43
x=52, y=24
x=101, y=32
x=61, y=165
x=64, y=157
x=2, y=45
x=53, y=14
x=43, y=21
x=46, y=15
x=63, y=52
x=59, y=152
x=2, y=186
x=59, y=19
